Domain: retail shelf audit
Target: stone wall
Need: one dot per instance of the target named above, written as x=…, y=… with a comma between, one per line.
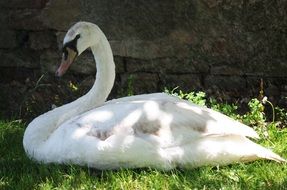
x=221, y=47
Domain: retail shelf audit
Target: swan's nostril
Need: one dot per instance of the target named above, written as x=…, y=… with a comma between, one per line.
x=58, y=73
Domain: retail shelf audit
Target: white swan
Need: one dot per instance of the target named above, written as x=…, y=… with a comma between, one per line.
x=153, y=130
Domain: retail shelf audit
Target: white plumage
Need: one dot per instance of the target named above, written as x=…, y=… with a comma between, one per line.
x=153, y=130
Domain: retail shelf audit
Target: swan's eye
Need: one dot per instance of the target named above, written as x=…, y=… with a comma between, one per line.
x=65, y=53
x=72, y=45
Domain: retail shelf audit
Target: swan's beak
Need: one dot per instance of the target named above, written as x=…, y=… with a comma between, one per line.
x=66, y=62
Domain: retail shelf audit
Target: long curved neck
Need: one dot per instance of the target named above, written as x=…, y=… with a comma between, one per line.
x=39, y=130
x=105, y=72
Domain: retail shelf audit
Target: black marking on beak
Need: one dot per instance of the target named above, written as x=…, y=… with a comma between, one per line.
x=72, y=45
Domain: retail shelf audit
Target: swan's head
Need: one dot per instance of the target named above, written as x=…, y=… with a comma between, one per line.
x=79, y=37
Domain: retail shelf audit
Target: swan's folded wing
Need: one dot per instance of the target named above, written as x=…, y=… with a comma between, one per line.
x=169, y=114
x=171, y=122
x=180, y=116
x=162, y=116
x=206, y=121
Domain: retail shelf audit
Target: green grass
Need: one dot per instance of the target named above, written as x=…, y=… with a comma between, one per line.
x=19, y=172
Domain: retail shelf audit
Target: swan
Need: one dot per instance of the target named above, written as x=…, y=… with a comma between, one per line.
x=151, y=130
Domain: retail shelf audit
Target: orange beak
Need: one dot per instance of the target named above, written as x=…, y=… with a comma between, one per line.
x=66, y=62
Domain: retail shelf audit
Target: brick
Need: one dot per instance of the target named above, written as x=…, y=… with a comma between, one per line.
x=8, y=38
x=19, y=58
x=22, y=4
x=26, y=20
x=42, y=40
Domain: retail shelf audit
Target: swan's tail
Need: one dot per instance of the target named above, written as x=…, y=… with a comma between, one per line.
x=274, y=157
x=251, y=151
x=224, y=150
x=262, y=153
